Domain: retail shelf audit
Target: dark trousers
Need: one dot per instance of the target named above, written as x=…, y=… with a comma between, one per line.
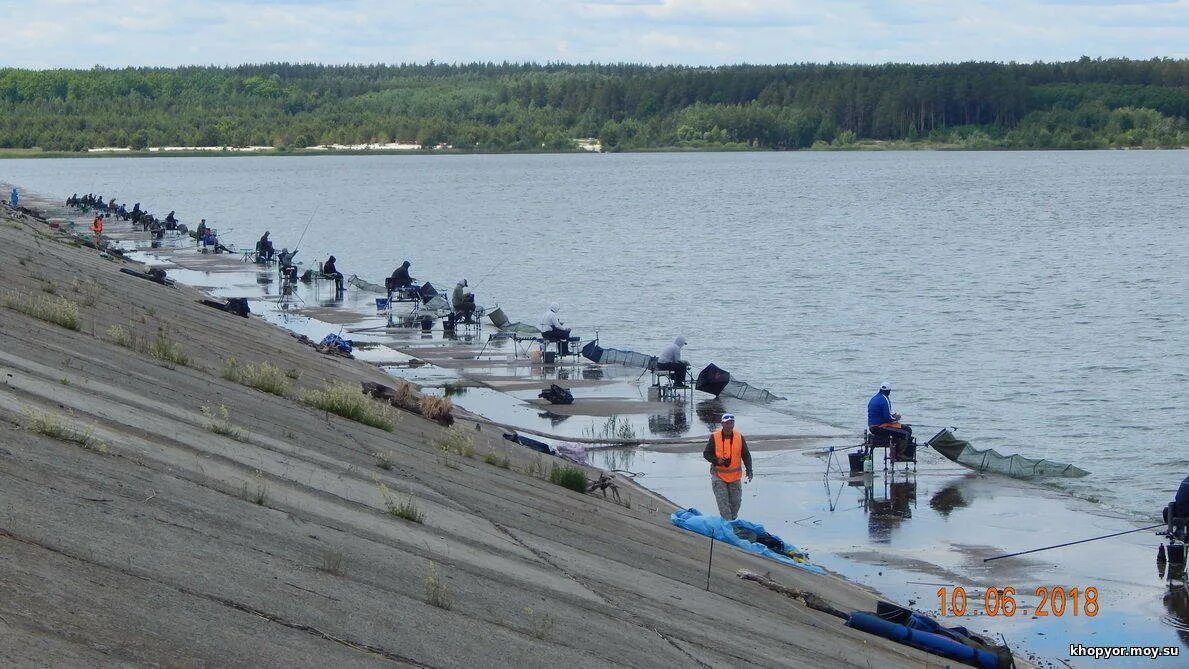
x=678, y=369
x=562, y=337
x=899, y=439
x=338, y=280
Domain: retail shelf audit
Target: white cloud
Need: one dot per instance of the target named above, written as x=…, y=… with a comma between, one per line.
x=74, y=33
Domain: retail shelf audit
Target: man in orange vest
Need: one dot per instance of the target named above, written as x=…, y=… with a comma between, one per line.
x=97, y=226
x=728, y=455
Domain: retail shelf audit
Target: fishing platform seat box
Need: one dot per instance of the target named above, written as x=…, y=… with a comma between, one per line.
x=899, y=447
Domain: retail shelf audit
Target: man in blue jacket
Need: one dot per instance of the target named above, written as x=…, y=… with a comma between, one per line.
x=881, y=420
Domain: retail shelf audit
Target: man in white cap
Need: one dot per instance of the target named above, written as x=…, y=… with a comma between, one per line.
x=670, y=360
x=728, y=455
x=881, y=420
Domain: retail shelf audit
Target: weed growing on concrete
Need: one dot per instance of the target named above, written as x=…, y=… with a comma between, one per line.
x=219, y=422
x=64, y=381
x=347, y=401
x=435, y=408
x=52, y=425
x=50, y=287
x=293, y=373
x=436, y=593
x=568, y=477
x=168, y=351
x=118, y=334
x=536, y=467
x=264, y=376
x=88, y=290
x=259, y=494
x=332, y=562
x=383, y=459
x=501, y=462
x=457, y=441
x=406, y=509
x=48, y=308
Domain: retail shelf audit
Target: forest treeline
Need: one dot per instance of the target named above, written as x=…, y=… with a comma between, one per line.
x=1089, y=103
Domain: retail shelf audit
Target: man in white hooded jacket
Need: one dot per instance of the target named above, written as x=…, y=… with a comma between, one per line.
x=552, y=330
x=670, y=360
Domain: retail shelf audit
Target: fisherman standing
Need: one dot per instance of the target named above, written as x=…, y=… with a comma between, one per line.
x=670, y=360
x=552, y=330
x=728, y=455
x=15, y=198
x=97, y=227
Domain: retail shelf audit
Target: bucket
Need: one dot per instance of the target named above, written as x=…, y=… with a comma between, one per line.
x=868, y=466
x=856, y=461
x=381, y=303
x=550, y=357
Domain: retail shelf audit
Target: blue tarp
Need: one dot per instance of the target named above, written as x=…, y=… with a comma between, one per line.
x=724, y=530
x=335, y=341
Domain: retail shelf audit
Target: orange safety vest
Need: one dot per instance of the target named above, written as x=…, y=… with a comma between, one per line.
x=97, y=226
x=732, y=449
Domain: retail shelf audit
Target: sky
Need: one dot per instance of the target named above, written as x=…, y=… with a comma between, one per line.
x=44, y=34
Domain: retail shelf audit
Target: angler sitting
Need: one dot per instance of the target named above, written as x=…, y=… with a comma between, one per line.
x=171, y=221
x=670, y=361
x=329, y=271
x=884, y=424
x=552, y=330
x=400, y=279
x=1176, y=514
x=264, y=248
x=463, y=302
x=287, y=267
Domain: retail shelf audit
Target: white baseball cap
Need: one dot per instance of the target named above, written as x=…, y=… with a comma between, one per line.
x=727, y=416
x=885, y=386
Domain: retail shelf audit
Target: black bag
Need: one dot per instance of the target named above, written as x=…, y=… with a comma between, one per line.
x=557, y=395
x=238, y=306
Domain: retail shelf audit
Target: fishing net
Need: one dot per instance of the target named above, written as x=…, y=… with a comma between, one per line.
x=990, y=460
x=606, y=356
x=748, y=392
x=718, y=382
x=367, y=285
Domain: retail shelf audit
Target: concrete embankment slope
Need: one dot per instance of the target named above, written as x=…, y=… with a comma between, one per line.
x=131, y=533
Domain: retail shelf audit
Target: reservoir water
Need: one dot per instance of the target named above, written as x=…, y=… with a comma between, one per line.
x=1035, y=300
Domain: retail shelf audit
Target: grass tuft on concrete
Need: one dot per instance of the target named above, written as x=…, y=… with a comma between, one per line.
x=436, y=592
x=219, y=422
x=48, y=308
x=566, y=476
x=435, y=408
x=264, y=376
x=347, y=401
x=53, y=426
x=405, y=509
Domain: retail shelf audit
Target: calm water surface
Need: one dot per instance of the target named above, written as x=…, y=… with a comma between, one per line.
x=1035, y=300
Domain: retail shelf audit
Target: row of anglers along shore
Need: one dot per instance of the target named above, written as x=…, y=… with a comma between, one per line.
x=422, y=303
x=726, y=450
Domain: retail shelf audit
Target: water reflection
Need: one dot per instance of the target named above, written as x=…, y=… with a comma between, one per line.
x=555, y=419
x=948, y=498
x=592, y=373
x=710, y=412
x=1176, y=600
x=888, y=504
x=619, y=459
x=672, y=423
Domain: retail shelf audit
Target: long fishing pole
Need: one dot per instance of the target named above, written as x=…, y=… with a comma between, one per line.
x=1071, y=543
x=307, y=227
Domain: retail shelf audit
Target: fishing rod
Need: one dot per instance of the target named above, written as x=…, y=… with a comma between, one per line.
x=1071, y=543
x=307, y=227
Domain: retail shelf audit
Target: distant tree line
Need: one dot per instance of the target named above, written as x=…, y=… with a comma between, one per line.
x=524, y=107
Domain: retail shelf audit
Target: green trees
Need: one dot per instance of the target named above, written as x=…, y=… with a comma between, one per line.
x=526, y=107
